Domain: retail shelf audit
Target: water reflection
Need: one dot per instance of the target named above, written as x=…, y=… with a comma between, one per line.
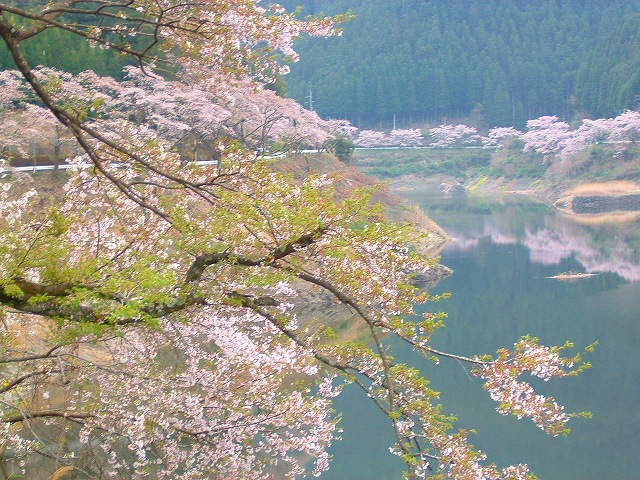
x=550, y=238
x=503, y=253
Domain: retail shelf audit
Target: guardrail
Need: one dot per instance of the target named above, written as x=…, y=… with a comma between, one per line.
x=64, y=166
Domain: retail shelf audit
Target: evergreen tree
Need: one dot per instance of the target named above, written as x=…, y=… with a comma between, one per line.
x=608, y=82
x=434, y=59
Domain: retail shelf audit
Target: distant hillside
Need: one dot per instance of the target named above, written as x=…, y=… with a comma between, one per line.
x=609, y=81
x=500, y=62
x=67, y=52
x=494, y=62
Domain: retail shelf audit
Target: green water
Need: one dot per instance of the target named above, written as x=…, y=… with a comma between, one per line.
x=503, y=251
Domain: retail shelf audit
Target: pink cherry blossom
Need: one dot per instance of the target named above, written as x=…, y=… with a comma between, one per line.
x=153, y=320
x=371, y=138
x=448, y=135
x=407, y=138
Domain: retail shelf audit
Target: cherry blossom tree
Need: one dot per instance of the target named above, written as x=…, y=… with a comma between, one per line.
x=197, y=117
x=626, y=126
x=31, y=132
x=12, y=140
x=411, y=137
x=262, y=118
x=500, y=136
x=396, y=138
x=590, y=132
x=448, y=135
x=371, y=138
x=545, y=135
x=549, y=136
x=148, y=310
x=16, y=135
x=188, y=118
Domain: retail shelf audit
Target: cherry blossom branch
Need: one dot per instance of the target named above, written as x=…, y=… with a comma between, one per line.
x=352, y=372
x=25, y=416
x=388, y=383
x=461, y=358
x=9, y=385
x=50, y=307
x=203, y=261
x=30, y=358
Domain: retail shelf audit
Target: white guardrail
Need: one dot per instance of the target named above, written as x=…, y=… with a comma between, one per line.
x=41, y=168
x=4, y=172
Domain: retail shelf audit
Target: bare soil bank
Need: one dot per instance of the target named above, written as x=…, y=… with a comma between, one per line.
x=593, y=202
x=349, y=178
x=616, y=197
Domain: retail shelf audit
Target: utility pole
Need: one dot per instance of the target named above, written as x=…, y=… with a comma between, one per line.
x=310, y=98
x=34, y=153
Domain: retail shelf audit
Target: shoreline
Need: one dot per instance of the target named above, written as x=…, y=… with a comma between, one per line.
x=591, y=202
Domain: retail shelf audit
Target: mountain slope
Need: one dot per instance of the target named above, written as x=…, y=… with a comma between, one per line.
x=500, y=61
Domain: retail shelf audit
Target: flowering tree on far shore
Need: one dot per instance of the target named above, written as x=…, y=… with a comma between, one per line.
x=410, y=137
x=548, y=135
x=500, y=136
x=545, y=135
x=371, y=138
x=448, y=135
x=148, y=322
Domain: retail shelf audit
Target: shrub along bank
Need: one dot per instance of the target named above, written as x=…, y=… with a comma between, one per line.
x=508, y=168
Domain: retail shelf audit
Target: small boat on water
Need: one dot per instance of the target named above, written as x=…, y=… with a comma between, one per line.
x=571, y=275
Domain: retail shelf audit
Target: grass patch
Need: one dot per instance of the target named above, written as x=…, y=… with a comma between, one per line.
x=423, y=162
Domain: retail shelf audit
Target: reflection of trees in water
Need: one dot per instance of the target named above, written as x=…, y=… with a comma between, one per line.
x=499, y=293
x=598, y=248
x=552, y=239
x=463, y=241
x=550, y=247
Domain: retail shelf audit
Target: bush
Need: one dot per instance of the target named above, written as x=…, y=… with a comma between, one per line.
x=341, y=147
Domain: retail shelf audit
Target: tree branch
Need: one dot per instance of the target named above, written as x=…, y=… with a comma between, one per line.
x=201, y=262
x=25, y=416
x=27, y=376
x=29, y=358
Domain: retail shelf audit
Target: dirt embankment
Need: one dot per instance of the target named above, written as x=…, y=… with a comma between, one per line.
x=612, y=201
x=321, y=307
x=616, y=198
x=349, y=178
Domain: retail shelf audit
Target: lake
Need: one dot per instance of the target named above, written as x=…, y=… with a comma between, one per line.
x=504, y=251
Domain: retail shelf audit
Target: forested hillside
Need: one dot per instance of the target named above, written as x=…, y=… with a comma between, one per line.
x=496, y=62
x=609, y=80
x=64, y=51
x=67, y=52
x=500, y=62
